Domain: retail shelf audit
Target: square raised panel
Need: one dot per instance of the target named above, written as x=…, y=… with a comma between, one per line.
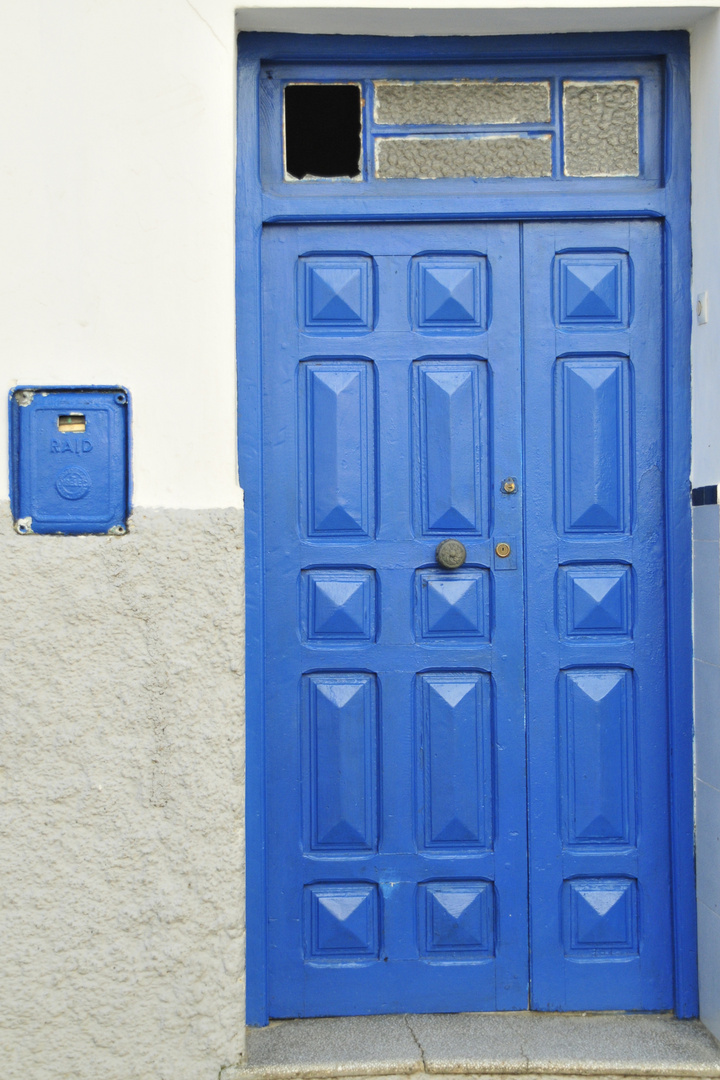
x=595, y=600
x=335, y=294
x=600, y=917
x=338, y=606
x=449, y=292
x=341, y=921
x=457, y=917
x=592, y=290
x=452, y=606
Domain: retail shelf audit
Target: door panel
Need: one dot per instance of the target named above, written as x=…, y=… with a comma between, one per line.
x=601, y=935
x=396, y=819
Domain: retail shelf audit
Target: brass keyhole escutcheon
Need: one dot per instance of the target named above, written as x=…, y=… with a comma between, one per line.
x=451, y=554
x=509, y=486
x=502, y=550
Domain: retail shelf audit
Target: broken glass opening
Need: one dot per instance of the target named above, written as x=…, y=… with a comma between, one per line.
x=322, y=130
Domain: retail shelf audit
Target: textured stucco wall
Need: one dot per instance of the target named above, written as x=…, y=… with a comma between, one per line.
x=121, y=780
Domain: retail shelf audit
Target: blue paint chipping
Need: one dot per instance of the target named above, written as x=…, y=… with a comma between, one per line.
x=69, y=459
x=404, y=346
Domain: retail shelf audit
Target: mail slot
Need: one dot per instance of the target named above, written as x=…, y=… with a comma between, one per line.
x=69, y=460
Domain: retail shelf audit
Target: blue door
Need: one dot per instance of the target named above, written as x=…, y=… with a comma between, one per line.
x=499, y=386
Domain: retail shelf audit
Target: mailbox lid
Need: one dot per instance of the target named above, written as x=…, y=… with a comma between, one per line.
x=69, y=458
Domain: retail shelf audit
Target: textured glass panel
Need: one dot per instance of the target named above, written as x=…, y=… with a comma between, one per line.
x=600, y=128
x=487, y=156
x=462, y=102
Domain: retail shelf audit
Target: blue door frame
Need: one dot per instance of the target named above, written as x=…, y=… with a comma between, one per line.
x=665, y=198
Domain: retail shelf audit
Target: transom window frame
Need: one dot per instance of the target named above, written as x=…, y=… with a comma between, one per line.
x=275, y=75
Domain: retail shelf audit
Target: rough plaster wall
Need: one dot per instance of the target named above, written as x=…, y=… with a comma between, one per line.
x=121, y=768
x=493, y=155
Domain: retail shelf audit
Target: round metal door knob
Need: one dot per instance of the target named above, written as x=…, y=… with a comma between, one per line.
x=451, y=554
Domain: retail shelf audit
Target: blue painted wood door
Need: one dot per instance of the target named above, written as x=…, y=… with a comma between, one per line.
x=394, y=408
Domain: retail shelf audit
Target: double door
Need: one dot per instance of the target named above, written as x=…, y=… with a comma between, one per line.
x=466, y=744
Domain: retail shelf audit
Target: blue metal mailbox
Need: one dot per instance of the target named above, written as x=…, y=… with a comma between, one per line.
x=69, y=459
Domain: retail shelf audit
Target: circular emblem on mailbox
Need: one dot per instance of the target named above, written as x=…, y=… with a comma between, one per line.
x=73, y=483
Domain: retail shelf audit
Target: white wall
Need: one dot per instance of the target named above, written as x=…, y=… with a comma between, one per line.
x=705, y=89
x=116, y=217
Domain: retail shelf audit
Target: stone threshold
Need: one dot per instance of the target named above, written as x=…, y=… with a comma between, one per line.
x=480, y=1045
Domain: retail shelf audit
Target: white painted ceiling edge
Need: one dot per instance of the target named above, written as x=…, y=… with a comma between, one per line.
x=118, y=202
x=424, y=17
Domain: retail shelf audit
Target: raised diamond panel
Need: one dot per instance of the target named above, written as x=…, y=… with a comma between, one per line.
x=592, y=290
x=452, y=605
x=450, y=421
x=597, y=756
x=341, y=921
x=600, y=917
x=336, y=293
x=455, y=735
x=592, y=445
x=337, y=449
x=457, y=917
x=340, y=761
x=338, y=606
x=450, y=292
x=595, y=600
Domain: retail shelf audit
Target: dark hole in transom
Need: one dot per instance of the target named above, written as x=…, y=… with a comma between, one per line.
x=322, y=130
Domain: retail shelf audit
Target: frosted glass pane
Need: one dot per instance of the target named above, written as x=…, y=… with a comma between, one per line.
x=600, y=128
x=486, y=157
x=462, y=102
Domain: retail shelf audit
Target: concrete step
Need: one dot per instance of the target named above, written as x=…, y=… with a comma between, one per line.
x=480, y=1045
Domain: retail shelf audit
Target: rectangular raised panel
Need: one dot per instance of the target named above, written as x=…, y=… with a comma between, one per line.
x=600, y=917
x=335, y=293
x=462, y=103
x=338, y=448
x=592, y=445
x=595, y=600
x=340, y=775
x=452, y=606
x=450, y=420
x=341, y=921
x=338, y=606
x=597, y=762
x=457, y=917
x=601, y=128
x=450, y=292
x=486, y=157
x=454, y=725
